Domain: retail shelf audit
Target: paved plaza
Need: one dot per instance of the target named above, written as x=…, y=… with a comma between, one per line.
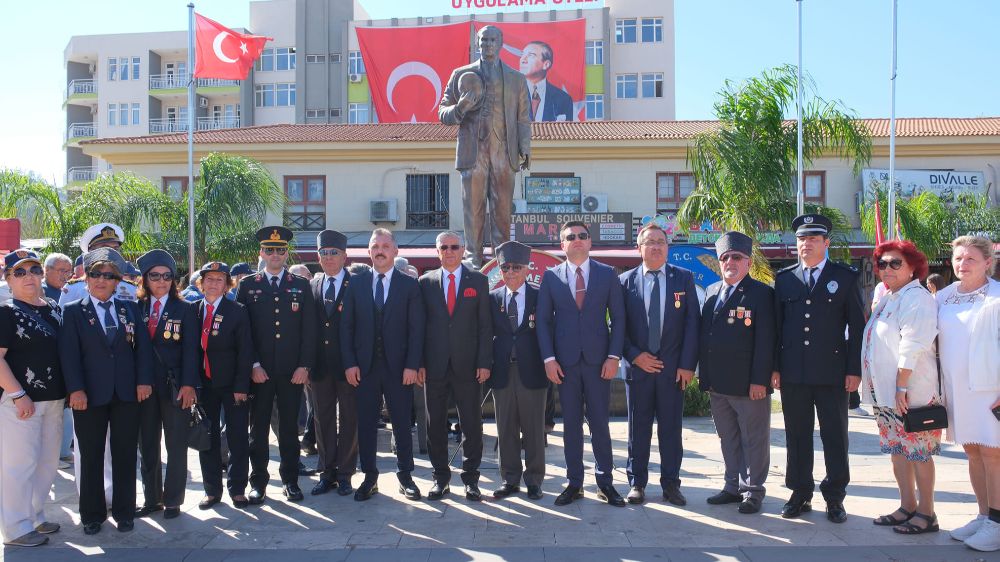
x=389, y=527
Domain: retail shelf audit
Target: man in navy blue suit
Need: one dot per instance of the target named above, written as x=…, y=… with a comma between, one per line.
x=661, y=343
x=582, y=354
x=547, y=102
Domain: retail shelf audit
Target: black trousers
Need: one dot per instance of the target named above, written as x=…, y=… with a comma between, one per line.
x=377, y=383
x=159, y=417
x=468, y=398
x=801, y=405
x=335, y=412
x=288, y=397
x=92, y=426
x=214, y=401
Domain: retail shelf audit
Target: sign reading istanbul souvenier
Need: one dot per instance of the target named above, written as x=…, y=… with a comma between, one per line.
x=613, y=229
x=946, y=184
x=540, y=263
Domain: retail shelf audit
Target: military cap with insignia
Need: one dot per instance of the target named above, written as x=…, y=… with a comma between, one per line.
x=19, y=256
x=241, y=268
x=331, y=239
x=513, y=252
x=733, y=241
x=216, y=267
x=101, y=232
x=274, y=237
x=104, y=254
x=156, y=258
x=812, y=224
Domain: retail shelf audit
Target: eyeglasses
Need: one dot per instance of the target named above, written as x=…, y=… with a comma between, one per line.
x=332, y=252
x=279, y=251
x=572, y=237
x=452, y=247
x=511, y=267
x=35, y=270
x=158, y=276
x=654, y=243
x=106, y=275
x=732, y=257
x=894, y=263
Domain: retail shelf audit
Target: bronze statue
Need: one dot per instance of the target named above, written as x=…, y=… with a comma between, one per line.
x=489, y=102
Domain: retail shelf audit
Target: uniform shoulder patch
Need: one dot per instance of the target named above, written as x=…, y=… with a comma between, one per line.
x=75, y=281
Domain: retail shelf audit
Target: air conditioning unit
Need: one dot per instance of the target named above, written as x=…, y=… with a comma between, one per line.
x=594, y=203
x=354, y=78
x=202, y=102
x=382, y=210
x=520, y=205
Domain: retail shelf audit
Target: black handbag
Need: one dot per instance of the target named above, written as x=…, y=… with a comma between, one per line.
x=199, y=430
x=927, y=418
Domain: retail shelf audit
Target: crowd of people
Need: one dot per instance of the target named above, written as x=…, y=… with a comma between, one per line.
x=134, y=361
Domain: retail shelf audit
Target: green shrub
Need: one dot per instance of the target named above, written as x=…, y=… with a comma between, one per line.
x=696, y=401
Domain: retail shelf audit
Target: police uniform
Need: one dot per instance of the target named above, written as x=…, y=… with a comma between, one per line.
x=283, y=325
x=76, y=289
x=813, y=358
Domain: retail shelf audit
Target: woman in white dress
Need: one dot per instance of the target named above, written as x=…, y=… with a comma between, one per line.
x=969, y=346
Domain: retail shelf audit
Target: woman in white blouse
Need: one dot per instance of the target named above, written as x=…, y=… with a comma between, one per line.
x=969, y=317
x=899, y=371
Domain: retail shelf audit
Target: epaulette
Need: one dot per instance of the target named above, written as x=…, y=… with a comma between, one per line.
x=75, y=281
x=843, y=265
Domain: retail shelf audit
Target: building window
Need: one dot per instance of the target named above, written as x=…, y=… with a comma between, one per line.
x=595, y=106
x=595, y=52
x=175, y=186
x=357, y=113
x=271, y=95
x=123, y=114
x=112, y=69
x=285, y=95
x=427, y=201
x=815, y=191
x=336, y=58
x=355, y=64
x=672, y=188
x=266, y=61
x=625, y=31
x=112, y=114
x=652, y=30
x=315, y=113
x=652, y=85
x=627, y=86
x=284, y=58
x=263, y=95
x=135, y=68
x=335, y=112
x=306, y=206
x=177, y=114
x=123, y=69
x=135, y=114
x=320, y=59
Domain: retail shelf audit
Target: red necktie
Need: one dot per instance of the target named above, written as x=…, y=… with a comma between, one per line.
x=581, y=288
x=205, y=326
x=154, y=319
x=451, y=294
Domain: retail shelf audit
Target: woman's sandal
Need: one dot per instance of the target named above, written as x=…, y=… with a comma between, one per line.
x=890, y=521
x=909, y=528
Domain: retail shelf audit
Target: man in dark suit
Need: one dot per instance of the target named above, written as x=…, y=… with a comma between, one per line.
x=736, y=356
x=283, y=319
x=336, y=439
x=381, y=343
x=518, y=376
x=547, y=102
x=582, y=355
x=816, y=365
x=661, y=344
x=458, y=354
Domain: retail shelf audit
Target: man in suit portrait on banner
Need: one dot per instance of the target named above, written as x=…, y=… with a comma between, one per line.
x=547, y=101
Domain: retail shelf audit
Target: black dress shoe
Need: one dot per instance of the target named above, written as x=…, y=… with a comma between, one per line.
x=292, y=492
x=505, y=490
x=91, y=528
x=303, y=471
x=438, y=491
x=145, y=510
x=241, y=503
x=208, y=501
x=125, y=525
x=749, y=505
x=366, y=490
x=568, y=495
x=308, y=449
x=610, y=494
x=672, y=493
x=322, y=487
x=409, y=489
x=636, y=495
x=171, y=512
x=344, y=487
x=534, y=492
x=796, y=507
x=256, y=496
x=835, y=512
x=472, y=493
x=724, y=497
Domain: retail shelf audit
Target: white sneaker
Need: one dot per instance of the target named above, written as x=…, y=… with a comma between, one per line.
x=987, y=538
x=969, y=529
x=861, y=412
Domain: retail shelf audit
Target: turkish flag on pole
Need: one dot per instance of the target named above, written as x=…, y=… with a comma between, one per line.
x=408, y=68
x=221, y=52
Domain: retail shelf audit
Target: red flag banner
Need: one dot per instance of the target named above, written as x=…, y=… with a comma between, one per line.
x=408, y=68
x=223, y=53
x=561, y=67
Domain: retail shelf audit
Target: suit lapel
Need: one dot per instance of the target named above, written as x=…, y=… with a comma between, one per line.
x=530, y=299
x=317, y=289
x=441, y=299
x=90, y=314
x=122, y=319
x=466, y=282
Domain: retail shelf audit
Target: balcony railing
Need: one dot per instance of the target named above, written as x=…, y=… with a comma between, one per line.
x=216, y=83
x=81, y=174
x=81, y=86
x=181, y=125
x=213, y=123
x=175, y=81
x=81, y=130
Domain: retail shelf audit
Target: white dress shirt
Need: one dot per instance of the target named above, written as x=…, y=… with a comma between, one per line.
x=508, y=296
x=647, y=287
x=100, y=311
x=542, y=85
x=337, y=280
x=819, y=271
x=385, y=282
x=571, y=273
x=163, y=304
x=445, y=282
x=268, y=276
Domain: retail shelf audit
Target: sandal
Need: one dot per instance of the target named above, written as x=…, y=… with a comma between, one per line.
x=890, y=521
x=909, y=528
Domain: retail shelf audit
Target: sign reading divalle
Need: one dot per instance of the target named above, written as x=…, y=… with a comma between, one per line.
x=613, y=229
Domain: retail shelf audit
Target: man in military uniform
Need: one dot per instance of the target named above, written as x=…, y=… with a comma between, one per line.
x=816, y=365
x=102, y=235
x=736, y=349
x=283, y=324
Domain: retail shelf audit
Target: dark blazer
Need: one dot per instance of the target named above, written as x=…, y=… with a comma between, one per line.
x=230, y=347
x=465, y=339
x=328, y=356
x=402, y=324
x=181, y=357
x=557, y=102
x=104, y=370
x=734, y=355
x=530, y=368
x=679, y=332
x=571, y=335
x=283, y=324
x=812, y=348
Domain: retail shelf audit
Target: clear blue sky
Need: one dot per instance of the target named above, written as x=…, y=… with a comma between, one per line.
x=949, y=55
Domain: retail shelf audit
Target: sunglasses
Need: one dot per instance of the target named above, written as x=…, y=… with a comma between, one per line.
x=452, y=247
x=158, y=276
x=329, y=253
x=35, y=270
x=511, y=267
x=732, y=257
x=106, y=275
x=581, y=236
x=895, y=264
x=279, y=251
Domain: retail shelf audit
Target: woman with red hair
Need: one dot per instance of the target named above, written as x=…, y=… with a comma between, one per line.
x=899, y=371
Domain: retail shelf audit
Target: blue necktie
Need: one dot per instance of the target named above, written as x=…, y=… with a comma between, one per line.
x=110, y=328
x=380, y=293
x=653, y=314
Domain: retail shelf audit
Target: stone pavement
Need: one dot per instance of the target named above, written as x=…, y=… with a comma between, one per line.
x=388, y=527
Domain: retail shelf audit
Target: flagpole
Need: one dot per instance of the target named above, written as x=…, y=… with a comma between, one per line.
x=192, y=108
x=800, y=188
x=892, y=135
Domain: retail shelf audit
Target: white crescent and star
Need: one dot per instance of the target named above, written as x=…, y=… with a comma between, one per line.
x=413, y=68
x=217, y=47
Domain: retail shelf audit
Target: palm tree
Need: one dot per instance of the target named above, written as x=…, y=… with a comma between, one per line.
x=745, y=168
x=43, y=209
x=922, y=219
